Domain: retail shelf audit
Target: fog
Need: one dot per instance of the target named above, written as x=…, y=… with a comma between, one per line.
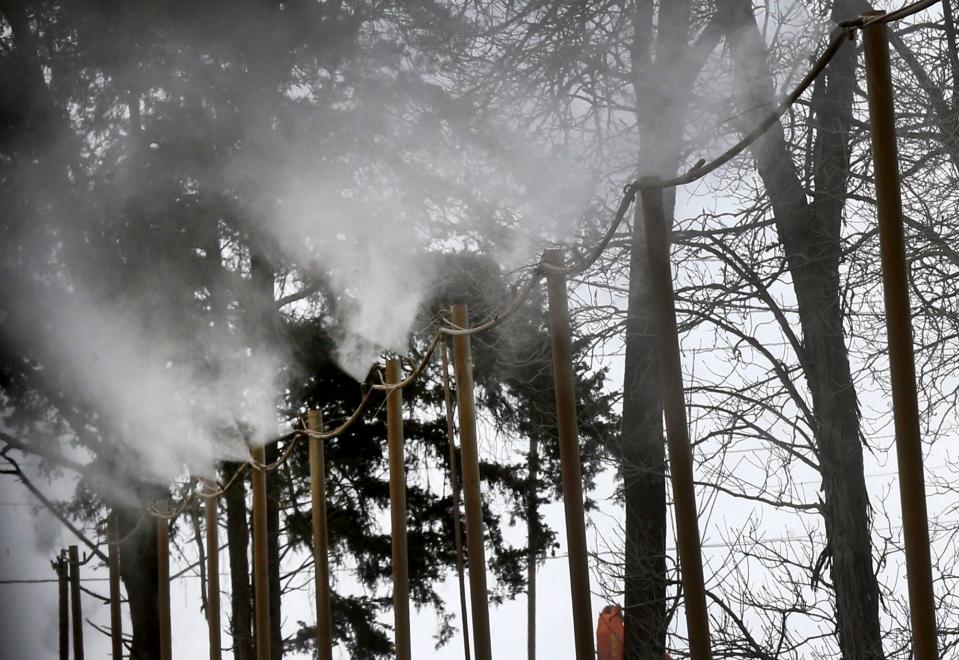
x=210, y=214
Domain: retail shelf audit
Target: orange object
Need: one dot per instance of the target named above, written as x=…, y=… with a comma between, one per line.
x=609, y=633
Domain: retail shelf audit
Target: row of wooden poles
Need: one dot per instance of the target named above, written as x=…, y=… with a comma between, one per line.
x=67, y=566
x=561, y=340
x=678, y=442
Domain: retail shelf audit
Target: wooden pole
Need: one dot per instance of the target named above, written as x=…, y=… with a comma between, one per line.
x=321, y=572
x=113, y=556
x=163, y=578
x=455, y=492
x=902, y=368
x=677, y=430
x=213, y=570
x=472, y=495
x=75, y=604
x=532, y=527
x=64, y=593
x=401, y=578
x=565, y=387
x=261, y=573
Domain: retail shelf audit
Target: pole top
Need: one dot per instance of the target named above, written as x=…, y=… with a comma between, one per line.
x=314, y=419
x=554, y=256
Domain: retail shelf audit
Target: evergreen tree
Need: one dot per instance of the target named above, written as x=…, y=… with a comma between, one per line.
x=141, y=148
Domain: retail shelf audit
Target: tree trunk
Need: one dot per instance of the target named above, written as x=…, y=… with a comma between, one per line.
x=662, y=90
x=810, y=236
x=643, y=458
x=238, y=540
x=138, y=569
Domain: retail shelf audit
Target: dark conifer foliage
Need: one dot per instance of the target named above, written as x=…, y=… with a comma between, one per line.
x=138, y=151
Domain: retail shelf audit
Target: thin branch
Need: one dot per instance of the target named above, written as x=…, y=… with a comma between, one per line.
x=52, y=507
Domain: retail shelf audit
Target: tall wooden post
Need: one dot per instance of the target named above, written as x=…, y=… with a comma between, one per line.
x=212, y=570
x=561, y=340
x=472, y=496
x=113, y=556
x=677, y=430
x=163, y=579
x=321, y=572
x=455, y=492
x=401, y=578
x=261, y=573
x=902, y=368
x=75, y=604
x=64, y=593
x=532, y=527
